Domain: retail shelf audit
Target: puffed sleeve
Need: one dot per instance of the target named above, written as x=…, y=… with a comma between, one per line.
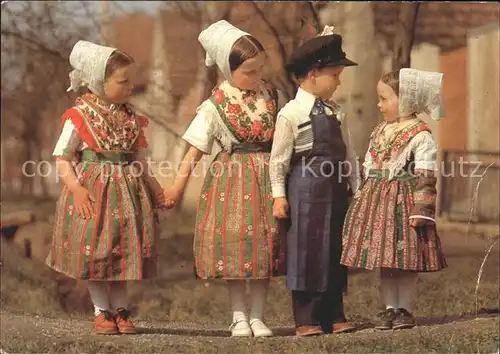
x=69, y=141
x=351, y=157
x=199, y=133
x=281, y=100
x=425, y=152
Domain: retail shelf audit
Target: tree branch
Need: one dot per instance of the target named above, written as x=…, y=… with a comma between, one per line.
x=405, y=34
x=53, y=52
x=159, y=121
x=281, y=47
x=191, y=14
x=314, y=16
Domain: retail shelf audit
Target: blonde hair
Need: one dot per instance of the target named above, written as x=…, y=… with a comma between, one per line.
x=392, y=80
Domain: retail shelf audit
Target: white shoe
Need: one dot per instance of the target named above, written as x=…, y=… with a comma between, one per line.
x=240, y=328
x=259, y=329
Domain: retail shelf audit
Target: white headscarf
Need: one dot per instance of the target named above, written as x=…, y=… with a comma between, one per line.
x=420, y=93
x=89, y=62
x=218, y=40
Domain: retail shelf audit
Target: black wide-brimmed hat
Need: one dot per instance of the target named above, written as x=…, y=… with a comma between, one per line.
x=320, y=51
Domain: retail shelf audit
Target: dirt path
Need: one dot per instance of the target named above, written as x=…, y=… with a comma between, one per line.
x=21, y=333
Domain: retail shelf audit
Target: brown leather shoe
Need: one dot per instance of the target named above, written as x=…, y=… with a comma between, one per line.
x=104, y=323
x=385, y=319
x=306, y=331
x=343, y=327
x=403, y=320
x=123, y=322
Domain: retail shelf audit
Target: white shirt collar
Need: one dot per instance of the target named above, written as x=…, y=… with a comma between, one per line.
x=305, y=99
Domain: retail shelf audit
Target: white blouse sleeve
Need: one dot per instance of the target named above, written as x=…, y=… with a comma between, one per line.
x=199, y=131
x=425, y=152
x=69, y=141
x=281, y=154
x=281, y=100
x=352, y=159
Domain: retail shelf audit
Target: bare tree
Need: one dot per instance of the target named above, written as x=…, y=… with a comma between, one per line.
x=405, y=33
x=37, y=38
x=289, y=85
x=36, y=41
x=281, y=27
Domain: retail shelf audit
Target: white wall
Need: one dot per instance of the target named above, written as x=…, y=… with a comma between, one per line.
x=484, y=112
x=483, y=81
x=427, y=57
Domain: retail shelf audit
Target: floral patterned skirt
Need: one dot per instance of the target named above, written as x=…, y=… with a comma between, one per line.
x=236, y=235
x=377, y=232
x=119, y=243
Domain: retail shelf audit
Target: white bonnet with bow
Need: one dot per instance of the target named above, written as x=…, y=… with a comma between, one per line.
x=89, y=62
x=218, y=40
x=420, y=93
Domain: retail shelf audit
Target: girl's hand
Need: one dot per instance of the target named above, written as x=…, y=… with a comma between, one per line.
x=159, y=199
x=419, y=222
x=83, y=202
x=280, y=208
x=171, y=197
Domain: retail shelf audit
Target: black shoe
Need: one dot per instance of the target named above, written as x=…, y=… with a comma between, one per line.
x=404, y=319
x=385, y=319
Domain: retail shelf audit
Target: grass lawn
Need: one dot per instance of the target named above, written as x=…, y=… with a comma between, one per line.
x=178, y=314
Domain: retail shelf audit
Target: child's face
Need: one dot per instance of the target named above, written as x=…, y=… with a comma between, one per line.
x=249, y=73
x=326, y=81
x=388, y=102
x=119, y=85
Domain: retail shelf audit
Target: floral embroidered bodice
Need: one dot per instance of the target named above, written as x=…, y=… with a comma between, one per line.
x=249, y=115
x=111, y=127
x=385, y=148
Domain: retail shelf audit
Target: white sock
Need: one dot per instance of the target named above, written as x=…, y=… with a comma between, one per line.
x=118, y=294
x=258, y=293
x=407, y=288
x=389, y=288
x=236, y=290
x=98, y=291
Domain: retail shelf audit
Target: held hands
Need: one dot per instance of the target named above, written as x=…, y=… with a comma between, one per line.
x=171, y=197
x=83, y=202
x=419, y=222
x=280, y=208
x=159, y=199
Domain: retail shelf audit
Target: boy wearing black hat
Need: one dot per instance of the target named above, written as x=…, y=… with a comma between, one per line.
x=312, y=163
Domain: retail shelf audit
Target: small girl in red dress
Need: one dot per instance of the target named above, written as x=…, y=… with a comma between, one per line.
x=391, y=222
x=105, y=222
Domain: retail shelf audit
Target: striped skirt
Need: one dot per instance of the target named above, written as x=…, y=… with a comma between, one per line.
x=377, y=233
x=120, y=242
x=236, y=235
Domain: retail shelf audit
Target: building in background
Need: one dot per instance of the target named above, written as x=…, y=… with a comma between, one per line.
x=446, y=39
x=459, y=39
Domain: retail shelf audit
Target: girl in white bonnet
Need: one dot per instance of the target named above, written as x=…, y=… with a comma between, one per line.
x=391, y=222
x=235, y=237
x=105, y=222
